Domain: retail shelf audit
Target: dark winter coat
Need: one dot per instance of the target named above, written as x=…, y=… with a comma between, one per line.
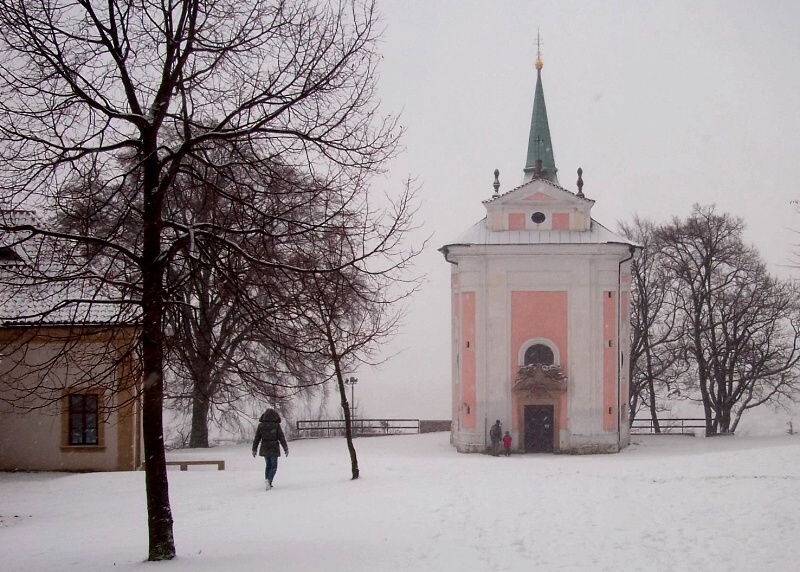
x=495, y=433
x=269, y=434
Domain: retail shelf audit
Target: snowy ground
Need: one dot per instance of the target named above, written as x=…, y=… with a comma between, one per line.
x=666, y=503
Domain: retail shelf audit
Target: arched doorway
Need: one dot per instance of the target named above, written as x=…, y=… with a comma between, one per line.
x=539, y=388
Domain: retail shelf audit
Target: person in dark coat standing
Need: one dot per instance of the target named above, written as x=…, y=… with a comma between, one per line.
x=269, y=434
x=495, y=434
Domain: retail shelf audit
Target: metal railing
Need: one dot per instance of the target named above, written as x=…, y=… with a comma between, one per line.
x=361, y=427
x=677, y=425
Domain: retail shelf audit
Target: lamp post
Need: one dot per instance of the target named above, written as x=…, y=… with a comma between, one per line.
x=352, y=381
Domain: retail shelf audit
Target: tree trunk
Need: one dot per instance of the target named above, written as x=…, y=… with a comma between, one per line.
x=159, y=513
x=737, y=413
x=202, y=384
x=725, y=419
x=651, y=388
x=652, y=405
x=348, y=424
x=633, y=405
x=703, y=381
x=711, y=428
x=199, y=432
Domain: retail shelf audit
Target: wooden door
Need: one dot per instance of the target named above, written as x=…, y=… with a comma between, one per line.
x=539, y=430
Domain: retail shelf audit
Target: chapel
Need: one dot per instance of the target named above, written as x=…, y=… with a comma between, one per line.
x=540, y=315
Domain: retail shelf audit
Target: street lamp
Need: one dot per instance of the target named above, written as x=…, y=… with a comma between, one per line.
x=352, y=381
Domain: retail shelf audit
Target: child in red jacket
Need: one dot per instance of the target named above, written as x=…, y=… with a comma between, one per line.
x=507, y=444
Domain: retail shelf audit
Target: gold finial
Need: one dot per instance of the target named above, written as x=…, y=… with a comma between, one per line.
x=539, y=63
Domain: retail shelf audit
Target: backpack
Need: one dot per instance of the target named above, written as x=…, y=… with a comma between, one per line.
x=494, y=431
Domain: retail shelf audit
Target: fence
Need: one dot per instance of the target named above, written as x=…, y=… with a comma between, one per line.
x=675, y=426
x=361, y=427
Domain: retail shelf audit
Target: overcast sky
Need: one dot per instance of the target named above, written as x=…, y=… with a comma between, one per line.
x=663, y=104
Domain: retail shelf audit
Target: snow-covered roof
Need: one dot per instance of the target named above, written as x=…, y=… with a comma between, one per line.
x=73, y=302
x=479, y=233
x=39, y=285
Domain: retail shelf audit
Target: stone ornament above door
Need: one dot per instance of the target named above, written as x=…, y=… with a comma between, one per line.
x=539, y=379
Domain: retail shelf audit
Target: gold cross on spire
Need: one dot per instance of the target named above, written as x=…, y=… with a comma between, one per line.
x=539, y=63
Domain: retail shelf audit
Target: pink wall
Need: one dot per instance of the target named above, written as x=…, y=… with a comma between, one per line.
x=560, y=221
x=456, y=313
x=538, y=315
x=468, y=369
x=609, y=361
x=516, y=221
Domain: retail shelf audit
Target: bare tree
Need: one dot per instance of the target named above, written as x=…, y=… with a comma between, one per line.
x=217, y=360
x=653, y=341
x=345, y=315
x=131, y=92
x=226, y=349
x=739, y=325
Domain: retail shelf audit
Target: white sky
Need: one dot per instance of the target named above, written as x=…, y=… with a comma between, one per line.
x=663, y=104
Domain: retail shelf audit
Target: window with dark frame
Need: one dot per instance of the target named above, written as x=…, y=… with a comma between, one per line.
x=539, y=354
x=83, y=419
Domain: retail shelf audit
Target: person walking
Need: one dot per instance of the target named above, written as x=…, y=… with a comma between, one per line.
x=495, y=433
x=269, y=434
x=507, y=444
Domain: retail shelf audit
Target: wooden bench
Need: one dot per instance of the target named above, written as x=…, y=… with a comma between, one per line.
x=184, y=465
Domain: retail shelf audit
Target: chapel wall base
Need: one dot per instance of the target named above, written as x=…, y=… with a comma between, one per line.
x=591, y=444
x=470, y=447
x=468, y=441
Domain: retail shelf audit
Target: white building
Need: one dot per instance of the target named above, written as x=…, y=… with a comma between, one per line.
x=540, y=316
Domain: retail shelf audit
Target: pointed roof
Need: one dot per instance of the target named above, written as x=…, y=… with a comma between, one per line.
x=540, y=146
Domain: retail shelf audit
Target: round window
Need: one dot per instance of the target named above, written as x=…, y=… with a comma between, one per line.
x=538, y=217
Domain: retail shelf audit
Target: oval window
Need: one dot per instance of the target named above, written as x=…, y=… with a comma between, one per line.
x=538, y=217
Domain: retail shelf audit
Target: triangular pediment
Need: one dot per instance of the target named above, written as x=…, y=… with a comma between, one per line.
x=539, y=204
x=539, y=196
x=539, y=190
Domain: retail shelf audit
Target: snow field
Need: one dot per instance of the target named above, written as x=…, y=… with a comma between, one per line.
x=665, y=503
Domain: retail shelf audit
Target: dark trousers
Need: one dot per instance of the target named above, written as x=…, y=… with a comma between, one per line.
x=271, y=468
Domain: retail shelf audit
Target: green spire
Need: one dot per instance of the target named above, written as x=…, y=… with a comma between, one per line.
x=540, y=146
